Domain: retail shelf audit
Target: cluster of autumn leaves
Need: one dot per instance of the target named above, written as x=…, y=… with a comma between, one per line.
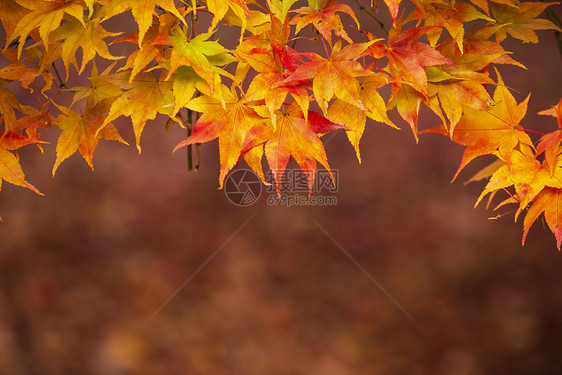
x=272, y=96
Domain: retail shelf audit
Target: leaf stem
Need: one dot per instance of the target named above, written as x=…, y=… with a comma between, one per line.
x=61, y=83
x=295, y=40
x=533, y=131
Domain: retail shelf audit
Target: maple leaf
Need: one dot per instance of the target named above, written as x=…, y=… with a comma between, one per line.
x=10, y=14
x=323, y=17
x=100, y=87
x=31, y=120
x=230, y=123
x=407, y=101
x=269, y=55
x=520, y=21
x=526, y=174
x=334, y=76
x=406, y=57
x=220, y=7
x=146, y=97
x=10, y=168
x=280, y=8
x=392, y=5
x=8, y=105
x=90, y=5
x=294, y=136
x=141, y=58
x=143, y=12
x=461, y=85
x=151, y=46
x=185, y=84
x=47, y=16
x=90, y=38
x=550, y=142
x=487, y=171
x=199, y=53
x=550, y=145
x=452, y=17
x=19, y=71
x=496, y=130
x=477, y=43
x=549, y=202
x=354, y=118
x=252, y=148
x=554, y=111
x=79, y=131
x=273, y=89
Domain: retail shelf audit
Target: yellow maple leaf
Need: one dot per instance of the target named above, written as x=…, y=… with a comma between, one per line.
x=46, y=15
x=79, y=131
x=146, y=97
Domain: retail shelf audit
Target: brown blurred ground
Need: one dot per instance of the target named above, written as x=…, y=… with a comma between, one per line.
x=83, y=269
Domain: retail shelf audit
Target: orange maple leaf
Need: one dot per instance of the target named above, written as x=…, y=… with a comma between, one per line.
x=19, y=71
x=393, y=7
x=461, y=85
x=269, y=55
x=452, y=17
x=354, y=118
x=477, y=43
x=407, y=102
x=493, y=131
x=406, y=57
x=10, y=168
x=550, y=145
x=150, y=48
x=528, y=176
x=325, y=19
x=549, y=202
x=334, y=76
x=229, y=122
x=295, y=136
x=554, y=111
x=550, y=142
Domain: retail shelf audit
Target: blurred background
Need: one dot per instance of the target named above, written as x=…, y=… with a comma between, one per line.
x=104, y=275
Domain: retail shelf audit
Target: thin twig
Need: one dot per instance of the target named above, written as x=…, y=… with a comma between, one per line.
x=189, y=128
x=553, y=17
x=362, y=8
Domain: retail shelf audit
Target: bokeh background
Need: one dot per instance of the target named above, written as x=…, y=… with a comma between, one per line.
x=104, y=276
